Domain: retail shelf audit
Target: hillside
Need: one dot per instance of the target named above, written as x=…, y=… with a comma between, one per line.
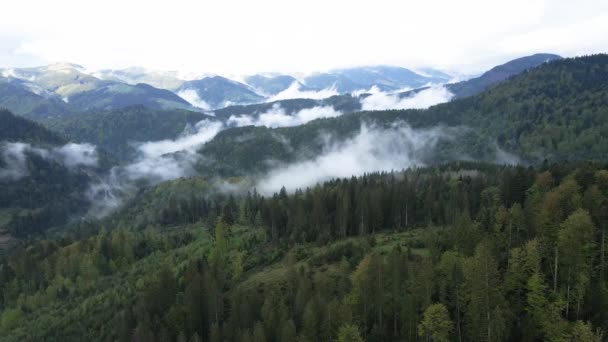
x=114, y=131
x=270, y=85
x=43, y=177
x=385, y=78
x=18, y=129
x=121, y=95
x=499, y=73
x=217, y=92
x=456, y=239
x=64, y=79
x=22, y=101
x=343, y=103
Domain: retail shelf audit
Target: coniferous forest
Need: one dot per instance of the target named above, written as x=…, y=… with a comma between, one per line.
x=464, y=251
x=304, y=172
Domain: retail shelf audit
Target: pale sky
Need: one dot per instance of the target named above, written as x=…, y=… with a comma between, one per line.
x=247, y=36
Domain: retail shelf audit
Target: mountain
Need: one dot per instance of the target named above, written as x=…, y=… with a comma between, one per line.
x=169, y=80
x=347, y=104
x=554, y=111
x=63, y=79
x=17, y=98
x=217, y=92
x=385, y=78
x=343, y=103
x=270, y=85
x=499, y=73
x=120, y=95
x=438, y=75
x=115, y=131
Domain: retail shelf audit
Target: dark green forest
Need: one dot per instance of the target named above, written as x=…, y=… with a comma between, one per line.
x=116, y=131
x=462, y=249
x=457, y=252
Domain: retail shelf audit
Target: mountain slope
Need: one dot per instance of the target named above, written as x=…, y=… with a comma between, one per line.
x=115, y=131
x=558, y=111
x=122, y=95
x=343, y=103
x=42, y=178
x=270, y=85
x=218, y=92
x=64, y=79
x=134, y=75
x=385, y=78
x=17, y=129
x=21, y=101
x=499, y=73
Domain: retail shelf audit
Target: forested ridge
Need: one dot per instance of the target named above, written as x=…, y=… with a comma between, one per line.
x=116, y=131
x=17, y=129
x=462, y=251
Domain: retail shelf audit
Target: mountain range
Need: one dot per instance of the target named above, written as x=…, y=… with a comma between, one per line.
x=487, y=126
x=64, y=88
x=127, y=213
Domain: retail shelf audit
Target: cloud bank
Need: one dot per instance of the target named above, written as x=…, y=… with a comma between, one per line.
x=420, y=100
x=14, y=157
x=157, y=162
x=277, y=117
x=372, y=149
x=295, y=92
x=192, y=97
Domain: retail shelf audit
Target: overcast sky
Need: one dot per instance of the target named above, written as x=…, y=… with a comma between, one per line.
x=246, y=36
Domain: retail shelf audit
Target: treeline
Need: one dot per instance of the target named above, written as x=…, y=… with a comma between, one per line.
x=458, y=252
x=363, y=205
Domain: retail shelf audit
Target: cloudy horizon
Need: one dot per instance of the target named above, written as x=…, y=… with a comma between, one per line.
x=240, y=37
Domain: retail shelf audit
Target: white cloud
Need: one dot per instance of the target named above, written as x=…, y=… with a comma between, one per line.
x=372, y=149
x=469, y=34
x=295, y=92
x=192, y=97
x=158, y=161
x=205, y=130
x=14, y=156
x=277, y=117
x=73, y=155
x=422, y=99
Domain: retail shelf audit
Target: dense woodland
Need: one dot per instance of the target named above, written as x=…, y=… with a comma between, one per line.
x=458, y=252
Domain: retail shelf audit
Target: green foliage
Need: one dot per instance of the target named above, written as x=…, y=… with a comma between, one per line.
x=436, y=323
x=349, y=333
x=17, y=129
x=309, y=277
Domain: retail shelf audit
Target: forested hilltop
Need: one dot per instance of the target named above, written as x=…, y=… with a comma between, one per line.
x=463, y=251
